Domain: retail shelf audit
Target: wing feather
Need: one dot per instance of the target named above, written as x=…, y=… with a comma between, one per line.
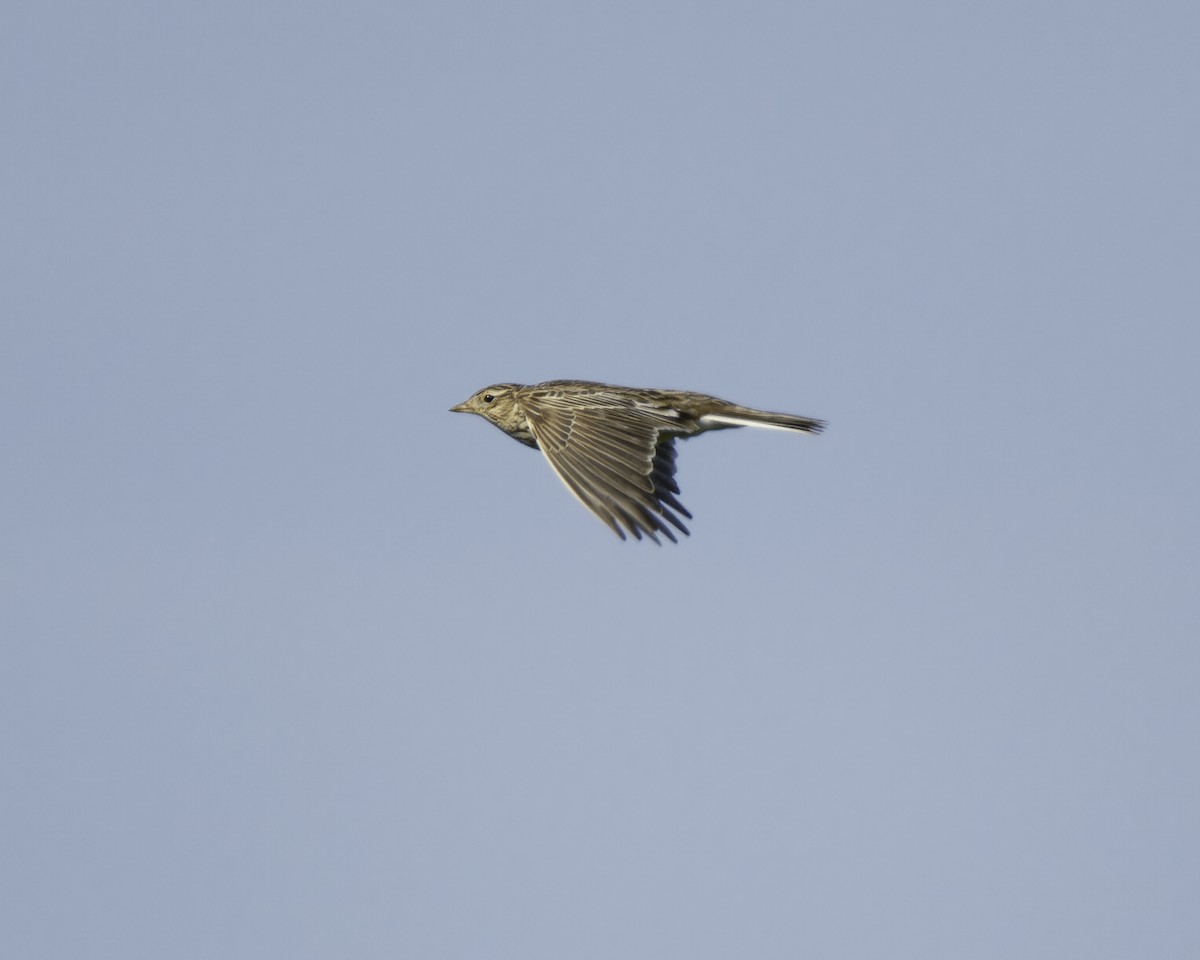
x=616, y=456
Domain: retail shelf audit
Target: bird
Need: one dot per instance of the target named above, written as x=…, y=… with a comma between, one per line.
x=614, y=447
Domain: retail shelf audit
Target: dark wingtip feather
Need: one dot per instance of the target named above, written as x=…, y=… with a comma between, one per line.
x=662, y=476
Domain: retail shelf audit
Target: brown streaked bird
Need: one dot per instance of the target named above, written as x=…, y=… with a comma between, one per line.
x=614, y=447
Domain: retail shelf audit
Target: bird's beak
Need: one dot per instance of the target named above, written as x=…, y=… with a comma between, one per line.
x=460, y=408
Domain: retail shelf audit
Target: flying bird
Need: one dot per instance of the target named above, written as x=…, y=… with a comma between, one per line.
x=614, y=447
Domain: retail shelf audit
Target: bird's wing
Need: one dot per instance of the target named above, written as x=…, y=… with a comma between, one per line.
x=608, y=452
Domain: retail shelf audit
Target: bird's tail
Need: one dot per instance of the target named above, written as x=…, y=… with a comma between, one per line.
x=734, y=416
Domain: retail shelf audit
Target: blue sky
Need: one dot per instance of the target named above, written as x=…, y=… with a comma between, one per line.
x=297, y=663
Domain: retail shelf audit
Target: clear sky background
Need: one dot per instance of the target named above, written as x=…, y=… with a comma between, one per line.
x=298, y=664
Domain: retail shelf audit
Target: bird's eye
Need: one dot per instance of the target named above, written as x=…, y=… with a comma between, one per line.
x=488, y=398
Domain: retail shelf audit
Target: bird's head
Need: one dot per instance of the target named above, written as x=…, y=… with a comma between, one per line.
x=495, y=403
